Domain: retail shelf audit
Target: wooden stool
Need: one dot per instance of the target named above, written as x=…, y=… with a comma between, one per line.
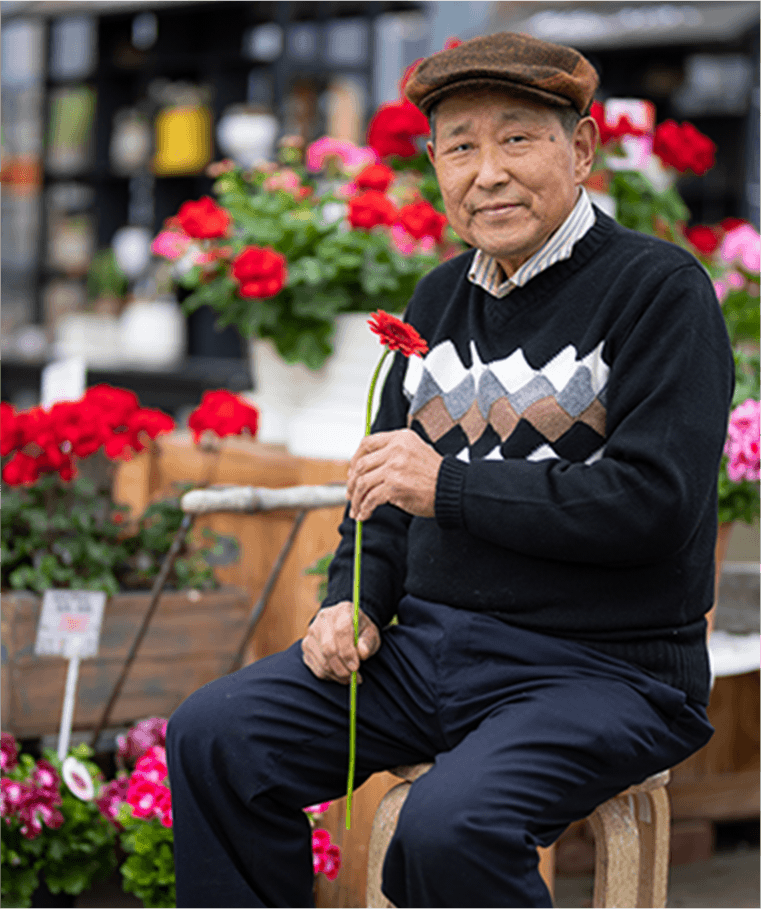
x=631, y=834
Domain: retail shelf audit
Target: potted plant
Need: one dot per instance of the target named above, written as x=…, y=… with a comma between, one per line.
x=138, y=805
x=62, y=529
x=296, y=253
x=107, y=285
x=54, y=836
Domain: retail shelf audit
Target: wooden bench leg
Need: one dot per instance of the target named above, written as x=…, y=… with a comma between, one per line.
x=384, y=824
x=654, y=825
x=617, y=853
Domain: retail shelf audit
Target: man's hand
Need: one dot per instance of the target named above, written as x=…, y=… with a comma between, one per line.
x=396, y=467
x=328, y=646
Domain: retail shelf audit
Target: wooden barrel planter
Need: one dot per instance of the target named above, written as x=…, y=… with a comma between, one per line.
x=191, y=640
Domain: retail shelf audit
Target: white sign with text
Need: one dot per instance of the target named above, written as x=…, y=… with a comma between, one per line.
x=70, y=622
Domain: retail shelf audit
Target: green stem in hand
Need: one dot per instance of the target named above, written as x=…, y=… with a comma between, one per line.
x=357, y=573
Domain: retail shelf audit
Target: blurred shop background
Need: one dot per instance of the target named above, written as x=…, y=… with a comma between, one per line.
x=112, y=111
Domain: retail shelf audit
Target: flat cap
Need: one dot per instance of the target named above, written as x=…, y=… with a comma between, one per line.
x=522, y=65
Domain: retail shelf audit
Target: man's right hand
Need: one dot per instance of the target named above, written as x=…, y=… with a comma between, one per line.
x=328, y=646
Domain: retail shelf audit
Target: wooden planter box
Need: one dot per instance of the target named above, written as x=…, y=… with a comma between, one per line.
x=191, y=639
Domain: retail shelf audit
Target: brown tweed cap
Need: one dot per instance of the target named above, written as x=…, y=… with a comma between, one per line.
x=525, y=66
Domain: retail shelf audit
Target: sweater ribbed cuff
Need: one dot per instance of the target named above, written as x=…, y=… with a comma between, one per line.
x=449, y=490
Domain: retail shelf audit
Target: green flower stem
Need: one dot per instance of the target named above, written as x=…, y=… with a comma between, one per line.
x=357, y=575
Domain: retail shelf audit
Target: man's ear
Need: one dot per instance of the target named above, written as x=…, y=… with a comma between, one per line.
x=431, y=152
x=585, y=140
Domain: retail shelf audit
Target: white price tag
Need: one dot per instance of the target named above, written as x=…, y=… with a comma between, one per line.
x=70, y=623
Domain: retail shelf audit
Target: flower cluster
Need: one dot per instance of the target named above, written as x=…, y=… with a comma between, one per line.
x=613, y=132
x=50, y=440
x=742, y=445
x=51, y=827
x=326, y=856
x=33, y=802
x=328, y=228
x=148, y=792
x=684, y=148
x=143, y=735
x=224, y=414
x=61, y=526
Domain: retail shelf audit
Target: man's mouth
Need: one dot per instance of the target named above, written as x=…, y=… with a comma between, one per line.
x=494, y=208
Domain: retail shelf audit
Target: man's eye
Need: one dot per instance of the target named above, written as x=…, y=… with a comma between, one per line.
x=515, y=139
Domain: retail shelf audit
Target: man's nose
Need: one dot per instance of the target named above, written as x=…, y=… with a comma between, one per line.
x=492, y=171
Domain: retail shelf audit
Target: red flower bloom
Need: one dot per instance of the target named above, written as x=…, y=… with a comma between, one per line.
x=622, y=127
x=729, y=224
x=203, y=219
x=684, y=147
x=393, y=128
x=10, y=433
x=260, y=271
x=704, y=239
x=422, y=220
x=22, y=469
x=224, y=414
x=375, y=176
x=370, y=209
x=397, y=335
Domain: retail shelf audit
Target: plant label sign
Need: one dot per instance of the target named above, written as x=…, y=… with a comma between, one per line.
x=70, y=622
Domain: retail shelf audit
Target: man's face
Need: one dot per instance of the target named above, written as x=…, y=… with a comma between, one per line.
x=508, y=172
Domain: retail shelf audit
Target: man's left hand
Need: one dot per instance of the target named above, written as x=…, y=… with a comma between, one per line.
x=396, y=467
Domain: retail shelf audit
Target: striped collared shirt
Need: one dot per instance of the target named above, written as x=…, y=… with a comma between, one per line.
x=487, y=273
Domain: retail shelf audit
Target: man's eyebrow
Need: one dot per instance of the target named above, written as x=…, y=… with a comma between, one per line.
x=466, y=126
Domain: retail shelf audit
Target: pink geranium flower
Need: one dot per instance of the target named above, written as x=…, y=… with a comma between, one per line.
x=326, y=856
x=742, y=445
x=152, y=765
x=140, y=738
x=743, y=245
x=170, y=244
x=46, y=778
x=112, y=796
x=353, y=158
x=9, y=748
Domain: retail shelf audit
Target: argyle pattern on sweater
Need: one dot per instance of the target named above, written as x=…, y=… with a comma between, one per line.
x=508, y=408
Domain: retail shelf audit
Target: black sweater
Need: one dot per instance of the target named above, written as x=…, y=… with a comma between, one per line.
x=582, y=419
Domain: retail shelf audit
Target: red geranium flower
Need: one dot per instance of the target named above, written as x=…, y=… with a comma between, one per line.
x=371, y=208
x=622, y=127
x=684, y=147
x=704, y=239
x=260, y=271
x=375, y=176
x=224, y=414
x=10, y=435
x=397, y=335
x=393, y=128
x=203, y=219
x=422, y=220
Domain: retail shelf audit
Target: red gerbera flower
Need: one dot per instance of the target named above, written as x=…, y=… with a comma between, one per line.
x=397, y=335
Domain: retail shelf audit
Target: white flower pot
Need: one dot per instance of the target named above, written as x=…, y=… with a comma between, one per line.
x=248, y=137
x=318, y=413
x=152, y=333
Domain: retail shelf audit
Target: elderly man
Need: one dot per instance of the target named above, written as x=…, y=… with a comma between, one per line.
x=540, y=502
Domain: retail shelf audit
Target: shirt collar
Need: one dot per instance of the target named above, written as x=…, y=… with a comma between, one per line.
x=486, y=272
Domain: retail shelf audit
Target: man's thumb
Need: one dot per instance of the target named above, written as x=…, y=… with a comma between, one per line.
x=368, y=641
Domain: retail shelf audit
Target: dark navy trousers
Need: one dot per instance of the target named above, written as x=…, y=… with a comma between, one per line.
x=527, y=733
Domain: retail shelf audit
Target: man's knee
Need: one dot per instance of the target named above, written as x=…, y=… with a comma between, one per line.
x=435, y=830
x=201, y=726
